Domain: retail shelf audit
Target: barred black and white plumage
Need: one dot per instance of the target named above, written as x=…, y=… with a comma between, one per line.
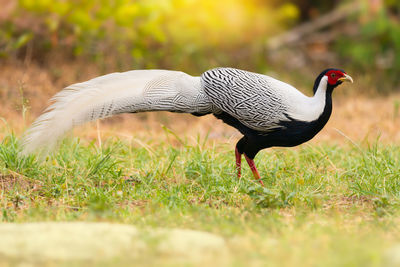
x=266, y=111
x=256, y=100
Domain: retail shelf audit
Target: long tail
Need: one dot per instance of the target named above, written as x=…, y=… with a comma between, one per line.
x=115, y=93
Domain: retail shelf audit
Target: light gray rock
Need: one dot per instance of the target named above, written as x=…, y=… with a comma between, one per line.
x=43, y=242
x=392, y=256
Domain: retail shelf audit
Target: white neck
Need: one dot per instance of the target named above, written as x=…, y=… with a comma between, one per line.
x=321, y=89
x=310, y=108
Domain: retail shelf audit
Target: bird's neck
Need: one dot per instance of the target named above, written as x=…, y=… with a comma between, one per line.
x=309, y=109
x=322, y=93
x=322, y=89
x=316, y=104
x=323, y=98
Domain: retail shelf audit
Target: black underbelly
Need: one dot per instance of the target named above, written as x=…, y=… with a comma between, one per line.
x=289, y=133
x=284, y=138
x=292, y=133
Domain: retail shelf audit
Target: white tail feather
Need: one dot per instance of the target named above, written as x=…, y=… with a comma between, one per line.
x=104, y=96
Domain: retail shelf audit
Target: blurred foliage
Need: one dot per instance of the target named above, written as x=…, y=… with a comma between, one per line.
x=377, y=46
x=146, y=33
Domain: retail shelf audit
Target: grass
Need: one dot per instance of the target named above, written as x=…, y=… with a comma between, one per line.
x=322, y=205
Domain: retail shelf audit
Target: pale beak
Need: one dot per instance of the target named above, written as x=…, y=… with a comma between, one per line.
x=346, y=78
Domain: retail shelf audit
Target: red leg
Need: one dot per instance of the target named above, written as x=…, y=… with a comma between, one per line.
x=254, y=169
x=238, y=162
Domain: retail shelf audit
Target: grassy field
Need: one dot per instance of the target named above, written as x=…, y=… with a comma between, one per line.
x=323, y=205
x=331, y=202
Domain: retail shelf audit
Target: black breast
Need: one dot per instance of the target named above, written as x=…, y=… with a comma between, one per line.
x=295, y=132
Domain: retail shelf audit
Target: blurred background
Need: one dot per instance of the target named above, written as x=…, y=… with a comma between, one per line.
x=46, y=45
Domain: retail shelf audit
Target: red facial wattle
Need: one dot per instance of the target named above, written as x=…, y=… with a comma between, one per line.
x=335, y=76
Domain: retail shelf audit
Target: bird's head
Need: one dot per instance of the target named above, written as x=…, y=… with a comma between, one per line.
x=334, y=78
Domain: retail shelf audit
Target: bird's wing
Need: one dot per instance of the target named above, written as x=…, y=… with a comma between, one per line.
x=258, y=101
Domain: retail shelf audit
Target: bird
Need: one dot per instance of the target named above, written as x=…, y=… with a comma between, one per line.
x=266, y=111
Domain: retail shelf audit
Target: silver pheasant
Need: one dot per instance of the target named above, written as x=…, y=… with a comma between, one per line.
x=266, y=111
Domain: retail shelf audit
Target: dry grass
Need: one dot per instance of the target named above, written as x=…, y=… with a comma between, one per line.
x=15, y=180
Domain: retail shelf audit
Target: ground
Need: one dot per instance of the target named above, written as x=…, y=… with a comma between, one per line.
x=333, y=201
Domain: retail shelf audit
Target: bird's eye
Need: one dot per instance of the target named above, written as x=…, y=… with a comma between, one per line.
x=333, y=75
